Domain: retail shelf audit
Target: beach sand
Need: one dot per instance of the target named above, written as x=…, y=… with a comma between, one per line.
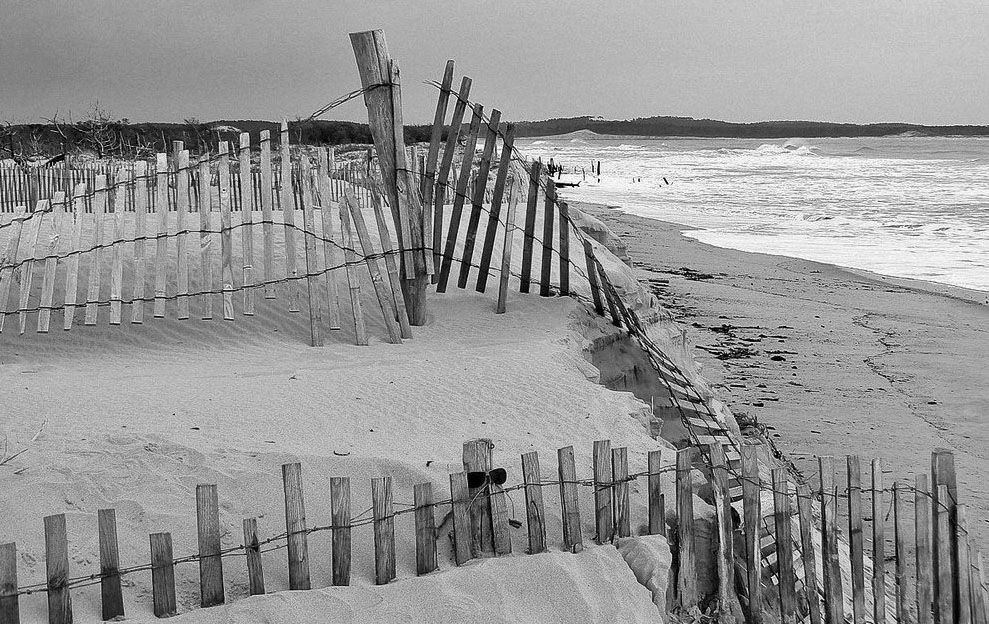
x=831, y=361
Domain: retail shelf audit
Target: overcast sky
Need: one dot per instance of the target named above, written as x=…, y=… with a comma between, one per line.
x=830, y=60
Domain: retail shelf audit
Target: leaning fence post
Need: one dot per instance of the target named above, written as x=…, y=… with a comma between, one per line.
x=340, y=517
x=57, y=564
x=210, y=563
x=751, y=504
x=425, y=528
x=535, y=513
x=592, y=277
x=564, y=249
x=384, y=109
x=603, y=517
x=9, y=607
x=111, y=598
x=687, y=576
x=252, y=550
x=295, y=526
x=529, y=230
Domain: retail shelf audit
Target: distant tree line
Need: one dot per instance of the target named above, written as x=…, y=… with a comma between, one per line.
x=689, y=127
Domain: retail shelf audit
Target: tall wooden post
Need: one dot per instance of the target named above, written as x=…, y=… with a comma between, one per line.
x=384, y=110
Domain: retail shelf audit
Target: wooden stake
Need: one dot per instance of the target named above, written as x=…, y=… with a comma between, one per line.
x=295, y=526
x=116, y=253
x=943, y=596
x=603, y=518
x=350, y=259
x=252, y=549
x=506, y=258
x=657, y=515
x=807, y=552
x=207, y=241
x=549, y=210
x=181, y=217
x=727, y=598
x=609, y=296
x=287, y=205
x=900, y=533
x=141, y=231
x=530, y=226
x=377, y=281
x=504, y=169
x=331, y=254
x=312, y=264
x=111, y=598
x=100, y=200
x=619, y=471
x=752, y=511
x=784, y=546
x=267, y=223
x=340, y=513
x=225, y=196
x=161, y=241
x=384, y=530
x=429, y=179
x=162, y=575
x=458, y=201
x=51, y=264
x=477, y=202
x=9, y=608
x=564, y=248
x=855, y=538
x=501, y=531
x=687, y=576
x=453, y=137
x=925, y=569
x=57, y=565
x=572, y=538
x=833, y=601
x=477, y=457
x=210, y=563
x=9, y=261
x=247, y=220
x=460, y=497
x=425, y=528
x=391, y=266
x=535, y=513
x=964, y=568
x=943, y=473
x=878, y=546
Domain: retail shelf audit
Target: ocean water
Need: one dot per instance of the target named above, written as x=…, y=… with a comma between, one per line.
x=911, y=207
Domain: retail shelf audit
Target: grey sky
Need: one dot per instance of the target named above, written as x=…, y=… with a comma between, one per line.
x=878, y=60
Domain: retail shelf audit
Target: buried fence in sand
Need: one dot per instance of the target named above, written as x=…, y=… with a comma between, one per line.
x=779, y=550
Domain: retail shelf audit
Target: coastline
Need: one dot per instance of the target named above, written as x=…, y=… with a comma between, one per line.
x=830, y=361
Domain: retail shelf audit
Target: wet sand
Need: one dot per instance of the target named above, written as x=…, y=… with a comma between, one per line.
x=831, y=361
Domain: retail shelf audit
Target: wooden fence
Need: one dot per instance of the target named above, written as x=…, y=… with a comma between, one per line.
x=945, y=583
x=785, y=554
